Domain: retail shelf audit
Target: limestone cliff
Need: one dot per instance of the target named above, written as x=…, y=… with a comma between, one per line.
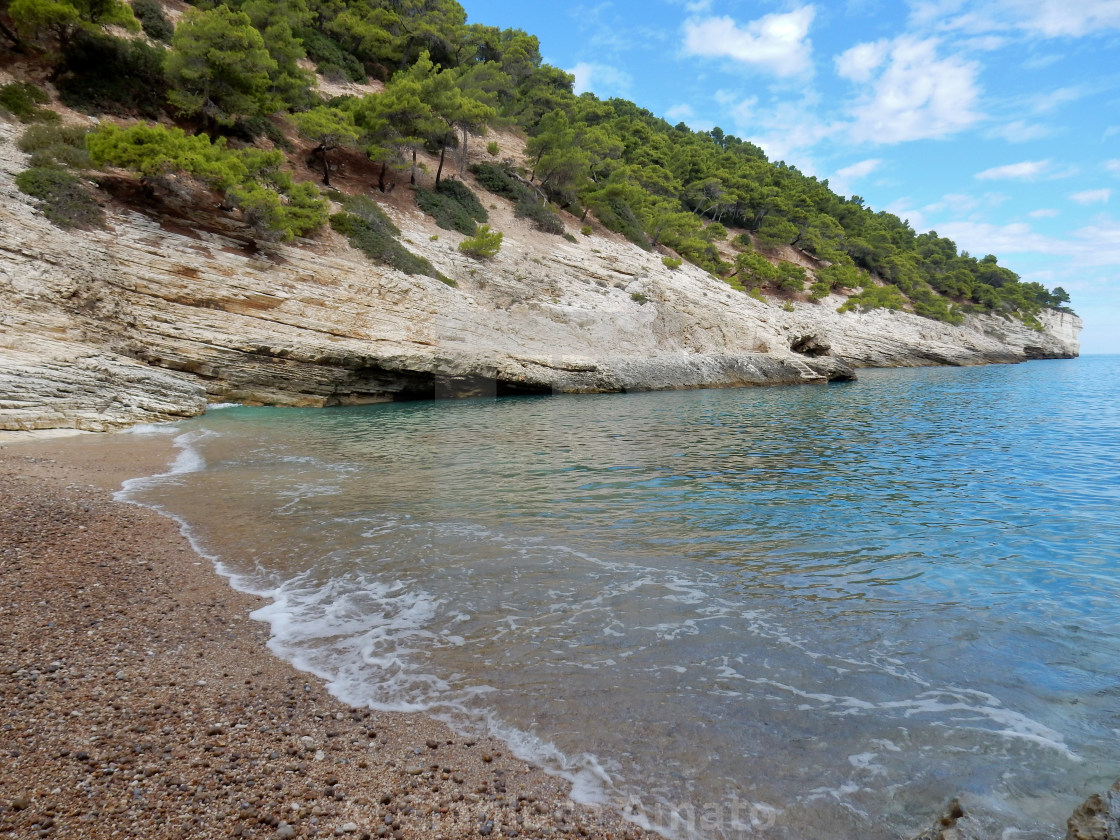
x=150, y=319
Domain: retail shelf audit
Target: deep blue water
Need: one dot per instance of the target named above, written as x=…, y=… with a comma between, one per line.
x=785, y=612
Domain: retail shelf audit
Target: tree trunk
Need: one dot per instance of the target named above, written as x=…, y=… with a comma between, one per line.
x=412, y=178
x=326, y=165
x=381, y=176
x=463, y=156
x=11, y=36
x=439, y=171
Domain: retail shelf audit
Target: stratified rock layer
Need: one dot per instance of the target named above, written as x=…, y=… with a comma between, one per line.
x=148, y=319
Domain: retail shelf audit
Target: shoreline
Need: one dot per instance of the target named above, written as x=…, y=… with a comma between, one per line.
x=139, y=698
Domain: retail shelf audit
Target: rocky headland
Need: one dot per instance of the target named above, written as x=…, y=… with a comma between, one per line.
x=165, y=310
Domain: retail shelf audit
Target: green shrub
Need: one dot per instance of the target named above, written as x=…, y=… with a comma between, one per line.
x=330, y=58
x=791, y=278
x=106, y=75
x=569, y=237
x=819, y=290
x=585, y=230
x=483, y=245
x=56, y=146
x=546, y=219
x=62, y=198
x=492, y=148
x=447, y=212
x=756, y=293
x=931, y=305
x=374, y=234
x=775, y=232
x=251, y=129
x=754, y=269
x=875, y=297
x=453, y=206
x=639, y=298
x=153, y=20
x=22, y=101
x=252, y=179
x=466, y=198
x=671, y=263
x=614, y=213
x=499, y=179
x=715, y=232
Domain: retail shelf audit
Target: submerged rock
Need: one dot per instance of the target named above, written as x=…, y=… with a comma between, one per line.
x=953, y=824
x=1097, y=818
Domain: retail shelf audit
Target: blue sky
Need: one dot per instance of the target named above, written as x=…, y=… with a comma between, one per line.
x=995, y=123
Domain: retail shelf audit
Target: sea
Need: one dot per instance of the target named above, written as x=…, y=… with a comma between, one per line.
x=792, y=612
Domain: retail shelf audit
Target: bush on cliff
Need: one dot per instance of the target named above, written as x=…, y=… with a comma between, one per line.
x=101, y=74
x=500, y=180
x=484, y=245
x=22, y=101
x=374, y=234
x=453, y=205
x=62, y=197
x=56, y=146
x=252, y=179
x=875, y=297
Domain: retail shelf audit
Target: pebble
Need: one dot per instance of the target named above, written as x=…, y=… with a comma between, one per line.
x=136, y=758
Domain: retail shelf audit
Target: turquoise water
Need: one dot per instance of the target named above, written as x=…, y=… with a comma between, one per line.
x=789, y=612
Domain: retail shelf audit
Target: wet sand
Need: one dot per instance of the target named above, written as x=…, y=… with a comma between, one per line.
x=138, y=699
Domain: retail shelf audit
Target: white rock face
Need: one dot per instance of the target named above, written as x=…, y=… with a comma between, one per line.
x=148, y=320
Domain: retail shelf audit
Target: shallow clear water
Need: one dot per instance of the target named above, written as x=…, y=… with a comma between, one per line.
x=788, y=612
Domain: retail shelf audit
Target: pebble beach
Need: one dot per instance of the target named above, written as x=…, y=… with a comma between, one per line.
x=138, y=699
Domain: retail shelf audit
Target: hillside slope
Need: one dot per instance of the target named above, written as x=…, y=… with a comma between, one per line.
x=150, y=319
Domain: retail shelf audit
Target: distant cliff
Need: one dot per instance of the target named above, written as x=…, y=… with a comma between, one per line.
x=150, y=319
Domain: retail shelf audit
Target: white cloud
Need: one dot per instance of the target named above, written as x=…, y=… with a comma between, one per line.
x=861, y=61
x=784, y=130
x=1041, y=62
x=1092, y=196
x=961, y=203
x=1024, y=171
x=1039, y=18
x=1094, y=246
x=680, y=112
x=1043, y=213
x=776, y=43
x=1043, y=103
x=903, y=209
x=859, y=170
x=1019, y=131
x=1102, y=244
x=1112, y=166
x=841, y=181
x=917, y=95
x=1015, y=238
x=1057, y=18
x=604, y=79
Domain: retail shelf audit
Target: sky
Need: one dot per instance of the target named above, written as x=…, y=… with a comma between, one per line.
x=995, y=123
